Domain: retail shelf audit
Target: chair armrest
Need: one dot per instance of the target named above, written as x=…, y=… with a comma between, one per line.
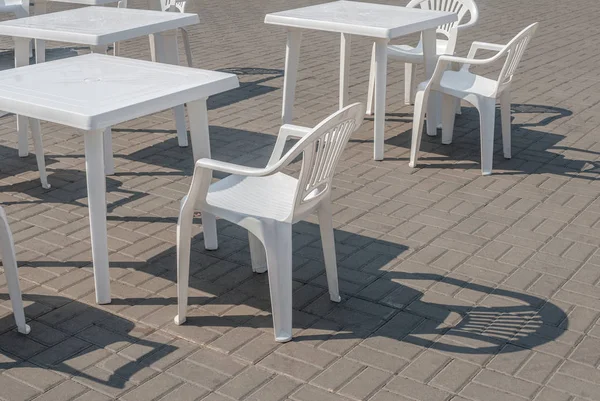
x=231, y=168
x=444, y=61
x=465, y=60
x=475, y=46
x=285, y=132
x=295, y=131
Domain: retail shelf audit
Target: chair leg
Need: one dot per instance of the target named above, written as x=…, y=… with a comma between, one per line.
x=328, y=241
x=9, y=260
x=36, y=134
x=209, y=227
x=371, y=91
x=418, y=119
x=257, y=254
x=184, y=239
x=487, y=115
x=409, y=82
x=186, y=45
x=278, y=246
x=506, y=128
x=448, y=110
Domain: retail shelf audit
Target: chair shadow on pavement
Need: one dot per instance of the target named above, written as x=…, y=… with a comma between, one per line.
x=383, y=303
x=409, y=311
x=535, y=149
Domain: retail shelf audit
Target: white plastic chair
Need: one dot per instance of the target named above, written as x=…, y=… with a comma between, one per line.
x=9, y=261
x=414, y=55
x=480, y=91
x=172, y=6
x=267, y=202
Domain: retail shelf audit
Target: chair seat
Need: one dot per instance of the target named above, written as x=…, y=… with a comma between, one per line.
x=270, y=197
x=460, y=83
x=412, y=54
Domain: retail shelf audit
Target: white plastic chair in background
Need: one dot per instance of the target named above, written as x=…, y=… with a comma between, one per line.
x=414, y=55
x=179, y=6
x=20, y=8
x=480, y=91
x=267, y=202
x=170, y=6
x=9, y=261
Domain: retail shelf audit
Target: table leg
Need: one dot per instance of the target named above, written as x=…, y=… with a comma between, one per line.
x=345, y=50
x=166, y=51
x=22, y=59
x=155, y=6
x=430, y=58
x=199, y=135
x=380, y=87
x=40, y=7
x=109, y=163
x=292, y=56
x=96, y=187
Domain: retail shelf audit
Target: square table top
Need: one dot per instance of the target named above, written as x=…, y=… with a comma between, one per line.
x=96, y=25
x=96, y=91
x=365, y=19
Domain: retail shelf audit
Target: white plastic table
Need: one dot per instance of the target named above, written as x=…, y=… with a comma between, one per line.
x=377, y=21
x=41, y=7
x=96, y=91
x=98, y=27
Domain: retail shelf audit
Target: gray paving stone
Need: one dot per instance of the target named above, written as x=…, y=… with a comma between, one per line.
x=455, y=286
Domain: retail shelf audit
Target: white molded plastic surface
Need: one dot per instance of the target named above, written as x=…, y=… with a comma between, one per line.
x=95, y=26
x=358, y=18
x=267, y=202
x=96, y=91
x=9, y=261
x=18, y=7
x=481, y=92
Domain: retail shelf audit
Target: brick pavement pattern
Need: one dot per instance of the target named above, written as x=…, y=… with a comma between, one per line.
x=455, y=286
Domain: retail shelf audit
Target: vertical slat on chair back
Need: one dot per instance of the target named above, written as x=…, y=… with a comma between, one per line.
x=515, y=50
x=321, y=151
x=460, y=7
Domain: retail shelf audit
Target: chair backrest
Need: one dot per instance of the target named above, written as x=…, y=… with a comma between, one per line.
x=460, y=7
x=514, y=52
x=173, y=5
x=321, y=150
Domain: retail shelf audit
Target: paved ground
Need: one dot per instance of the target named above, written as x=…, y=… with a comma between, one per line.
x=455, y=286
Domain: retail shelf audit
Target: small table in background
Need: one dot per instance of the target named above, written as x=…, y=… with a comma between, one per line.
x=98, y=27
x=377, y=21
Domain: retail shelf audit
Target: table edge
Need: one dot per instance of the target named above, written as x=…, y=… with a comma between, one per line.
x=374, y=32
